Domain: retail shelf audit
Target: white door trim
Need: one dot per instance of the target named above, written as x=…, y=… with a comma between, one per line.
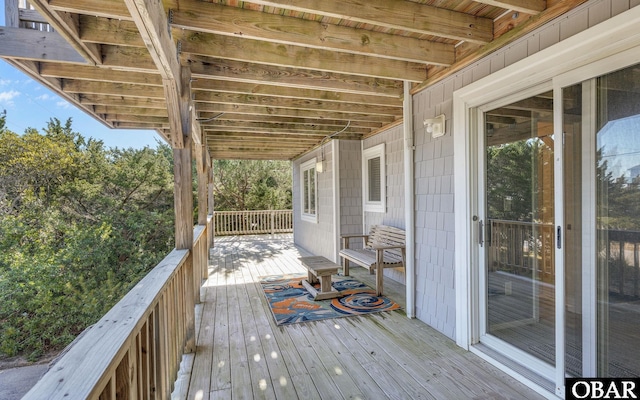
x=581, y=54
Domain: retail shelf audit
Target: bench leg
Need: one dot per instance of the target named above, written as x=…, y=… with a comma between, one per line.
x=325, y=283
x=311, y=278
x=345, y=267
x=379, y=279
x=379, y=272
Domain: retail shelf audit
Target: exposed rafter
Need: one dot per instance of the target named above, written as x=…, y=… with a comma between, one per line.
x=406, y=16
x=257, y=79
x=66, y=24
x=151, y=20
x=231, y=21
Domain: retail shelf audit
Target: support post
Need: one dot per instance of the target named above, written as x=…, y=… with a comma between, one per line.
x=183, y=202
x=11, y=14
x=409, y=200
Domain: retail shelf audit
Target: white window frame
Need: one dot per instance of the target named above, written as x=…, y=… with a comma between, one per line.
x=304, y=191
x=368, y=154
x=599, y=50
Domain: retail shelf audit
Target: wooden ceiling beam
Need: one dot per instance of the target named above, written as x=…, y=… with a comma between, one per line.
x=256, y=155
x=162, y=121
x=232, y=21
x=31, y=68
x=298, y=93
x=302, y=104
x=109, y=31
x=151, y=20
x=115, y=9
x=66, y=24
x=112, y=89
x=240, y=71
x=260, y=143
x=528, y=25
x=266, y=136
x=335, y=123
x=28, y=44
x=81, y=72
x=276, y=127
x=400, y=15
x=137, y=111
x=268, y=111
x=121, y=58
x=106, y=100
x=523, y=6
x=139, y=125
x=283, y=55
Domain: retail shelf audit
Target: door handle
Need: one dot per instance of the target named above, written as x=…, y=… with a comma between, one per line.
x=559, y=237
x=481, y=233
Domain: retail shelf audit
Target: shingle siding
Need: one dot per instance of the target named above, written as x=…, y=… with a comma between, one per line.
x=434, y=218
x=317, y=238
x=394, y=214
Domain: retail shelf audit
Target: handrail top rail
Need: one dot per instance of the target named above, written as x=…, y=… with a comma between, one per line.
x=249, y=211
x=526, y=223
x=108, y=339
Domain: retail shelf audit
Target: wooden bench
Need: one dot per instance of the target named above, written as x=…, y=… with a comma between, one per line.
x=384, y=248
x=320, y=267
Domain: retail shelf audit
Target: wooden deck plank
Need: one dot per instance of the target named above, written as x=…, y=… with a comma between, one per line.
x=278, y=372
x=403, y=374
x=200, y=384
x=422, y=364
x=220, y=366
x=316, y=370
x=336, y=368
x=384, y=355
x=242, y=386
x=352, y=355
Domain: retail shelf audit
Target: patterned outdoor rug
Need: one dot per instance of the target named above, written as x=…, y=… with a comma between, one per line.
x=291, y=303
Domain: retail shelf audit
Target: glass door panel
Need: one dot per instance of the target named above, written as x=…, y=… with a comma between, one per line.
x=519, y=199
x=572, y=125
x=618, y=222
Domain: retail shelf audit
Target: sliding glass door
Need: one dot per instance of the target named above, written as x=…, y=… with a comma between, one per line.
x=519, y=201
x=559, y=248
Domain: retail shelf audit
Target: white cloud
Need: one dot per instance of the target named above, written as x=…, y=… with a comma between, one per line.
x=4, y=82
x=44, y=97
x=7, y=97
x=63, y=104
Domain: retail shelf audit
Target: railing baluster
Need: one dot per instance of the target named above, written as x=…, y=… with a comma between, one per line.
x=253, y=222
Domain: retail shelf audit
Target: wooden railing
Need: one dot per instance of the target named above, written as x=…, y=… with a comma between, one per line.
x=622, y=257
x=21, y=14
x=521, y=248
x=527, y=249
x=134, y=351
x=253, y=222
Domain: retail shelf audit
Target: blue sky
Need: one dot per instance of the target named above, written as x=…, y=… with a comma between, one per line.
x=30, y=105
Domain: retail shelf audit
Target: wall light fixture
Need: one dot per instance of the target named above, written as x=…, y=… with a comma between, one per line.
x=435, y=126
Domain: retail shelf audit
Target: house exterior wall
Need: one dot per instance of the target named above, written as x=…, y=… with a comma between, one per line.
x=434, y=179
x=350, y=161
x=317, y=238
x=394, y=214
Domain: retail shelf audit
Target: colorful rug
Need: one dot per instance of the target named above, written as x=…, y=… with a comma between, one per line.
x=291, y=303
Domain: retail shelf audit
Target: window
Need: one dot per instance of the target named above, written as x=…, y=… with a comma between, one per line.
x=373, y=171
x=308, y=191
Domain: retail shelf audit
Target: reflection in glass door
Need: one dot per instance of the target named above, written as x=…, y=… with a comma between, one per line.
x=618, y=223
x=520, y=237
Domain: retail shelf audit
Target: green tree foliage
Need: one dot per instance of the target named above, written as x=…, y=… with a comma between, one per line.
x=79, y=226
x=252, y=185
x=510, y=191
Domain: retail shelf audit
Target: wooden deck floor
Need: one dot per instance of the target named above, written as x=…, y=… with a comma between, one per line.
x=242, y=354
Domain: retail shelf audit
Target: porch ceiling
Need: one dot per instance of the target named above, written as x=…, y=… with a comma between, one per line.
x=269, y=79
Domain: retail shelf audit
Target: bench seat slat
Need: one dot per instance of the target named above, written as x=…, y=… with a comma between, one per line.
x=386, y=239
